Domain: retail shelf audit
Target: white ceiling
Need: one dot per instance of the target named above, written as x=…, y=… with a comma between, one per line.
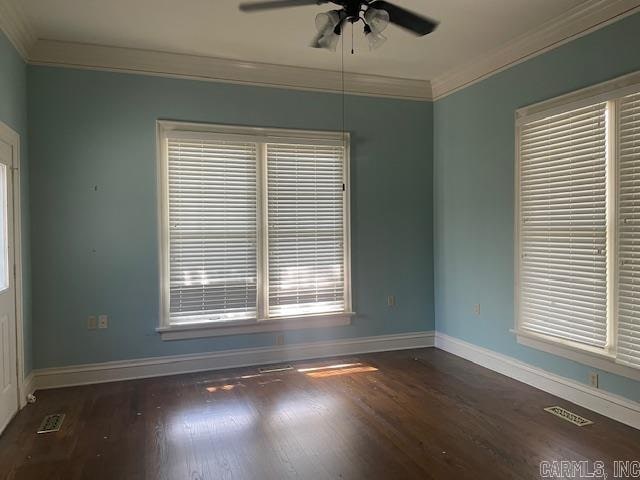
x=216, y=28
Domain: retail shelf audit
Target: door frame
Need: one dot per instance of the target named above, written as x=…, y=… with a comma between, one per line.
x=10, y=136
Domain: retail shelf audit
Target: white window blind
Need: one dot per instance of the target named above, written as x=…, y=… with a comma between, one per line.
x=629, y=231
x=212, y=230
x=305, y=229
x=563, y=226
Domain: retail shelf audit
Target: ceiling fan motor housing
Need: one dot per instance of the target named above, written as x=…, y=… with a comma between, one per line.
x=353, y=8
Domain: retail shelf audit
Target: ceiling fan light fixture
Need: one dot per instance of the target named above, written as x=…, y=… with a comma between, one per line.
x=377, y=19
x=376, y=40
x=327, y=21
x=328, y=36
x=329, y=41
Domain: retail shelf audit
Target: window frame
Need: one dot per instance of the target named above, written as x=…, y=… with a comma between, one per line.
x=167, y=129
x=610, y=92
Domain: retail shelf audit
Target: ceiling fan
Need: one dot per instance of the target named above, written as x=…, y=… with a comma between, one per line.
x=375, y=14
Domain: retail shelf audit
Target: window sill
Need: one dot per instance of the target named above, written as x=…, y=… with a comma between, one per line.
x=243, y=327
x=584, y=355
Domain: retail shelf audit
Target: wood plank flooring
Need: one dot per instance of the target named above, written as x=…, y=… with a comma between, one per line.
x=421, y=414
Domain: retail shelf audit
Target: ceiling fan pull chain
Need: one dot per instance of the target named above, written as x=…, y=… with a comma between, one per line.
x=352, y=39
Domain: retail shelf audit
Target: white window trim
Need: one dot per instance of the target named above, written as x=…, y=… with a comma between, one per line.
x=577, y=353
x=165, y=129
x=180, y=332
x=604, y=92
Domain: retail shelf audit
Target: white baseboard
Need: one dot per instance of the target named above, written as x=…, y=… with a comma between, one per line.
x=28, y=387
x=599, y=401
x=171, y=365
x=607, y=404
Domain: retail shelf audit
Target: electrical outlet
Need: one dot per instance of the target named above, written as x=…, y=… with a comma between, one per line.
x=476, y=309
x=391, y=301
x=92, y=322
x=280, y=340
x=593, y=379
x=103, y=321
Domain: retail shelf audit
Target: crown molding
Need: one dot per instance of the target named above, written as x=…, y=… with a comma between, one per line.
x=16, y=26
x=579, y=21
x=149, y=62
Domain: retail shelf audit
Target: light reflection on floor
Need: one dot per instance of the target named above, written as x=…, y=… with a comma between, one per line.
x=326, y=367
x=227, y=417
x=229, y=414
x=322, y=371
x=233, y=415
x=341, y=371
x=230, y=386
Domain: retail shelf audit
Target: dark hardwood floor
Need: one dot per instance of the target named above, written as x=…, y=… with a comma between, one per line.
x=413, y=414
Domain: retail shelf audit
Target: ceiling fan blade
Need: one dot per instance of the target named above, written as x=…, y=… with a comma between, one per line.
x=404, y=18
x=271, y=4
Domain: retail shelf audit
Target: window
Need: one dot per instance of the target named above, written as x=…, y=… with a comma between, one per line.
x=628, y=286
x=578, y=226
x=306, y=229
x=254, y=226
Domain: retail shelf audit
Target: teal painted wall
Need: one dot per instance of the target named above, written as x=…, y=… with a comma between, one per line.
x=96, y=251
x=474, y=190
x=13, y=112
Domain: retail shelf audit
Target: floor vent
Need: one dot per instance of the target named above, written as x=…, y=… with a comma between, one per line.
x=569, y=416
x=275, y=368
x=51, y=423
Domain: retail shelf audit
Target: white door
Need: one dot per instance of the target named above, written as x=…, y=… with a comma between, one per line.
x=8, y=364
